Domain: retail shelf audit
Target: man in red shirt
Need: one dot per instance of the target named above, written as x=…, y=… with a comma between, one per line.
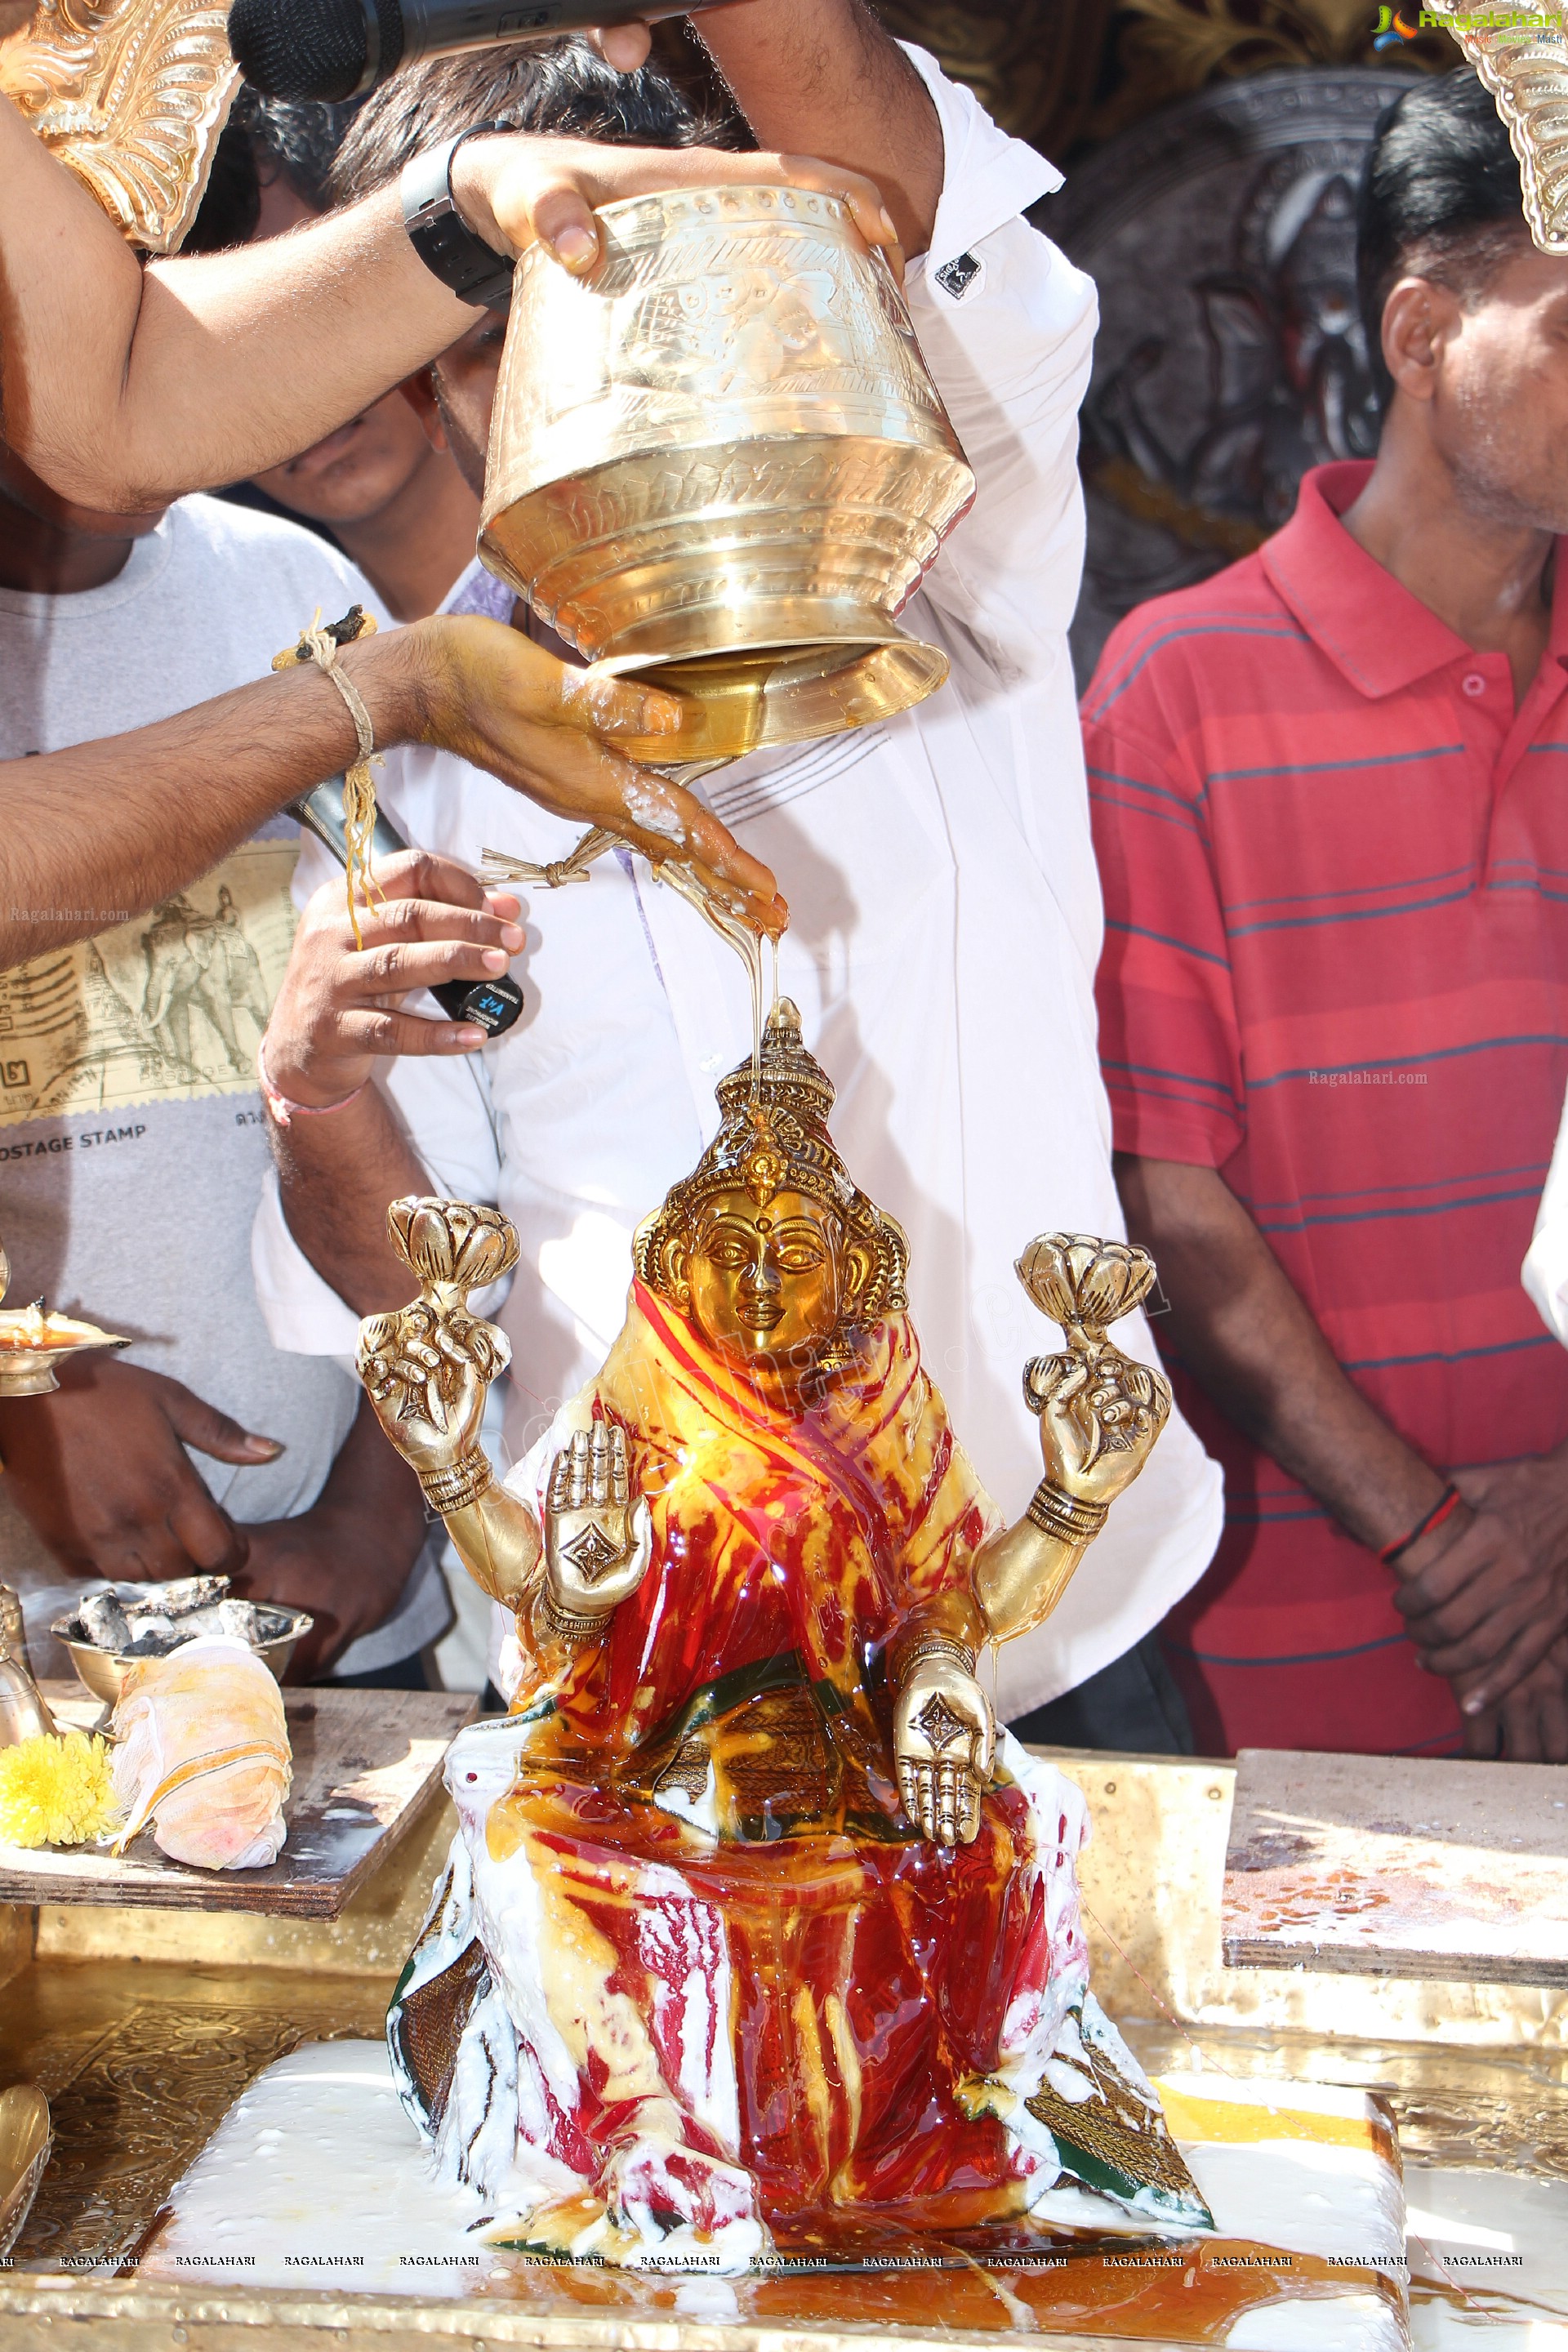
x=1331, y=795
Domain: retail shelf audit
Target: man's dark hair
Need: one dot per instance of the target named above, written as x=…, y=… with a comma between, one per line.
x=561, y=88
x=1440, y=198
x=266, y=139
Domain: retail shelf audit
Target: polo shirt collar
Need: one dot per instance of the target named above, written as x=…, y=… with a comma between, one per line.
x=1381, y=636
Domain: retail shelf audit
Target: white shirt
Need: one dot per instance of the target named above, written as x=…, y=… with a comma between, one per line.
x=946, y=924
x=1545, y=1267
x=132, y=1139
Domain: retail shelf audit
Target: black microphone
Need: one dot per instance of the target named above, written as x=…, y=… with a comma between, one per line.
x=492, y=1005
x=336, y=49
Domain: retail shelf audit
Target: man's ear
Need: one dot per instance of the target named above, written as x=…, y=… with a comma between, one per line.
x=419, y=392
x=1419, y=320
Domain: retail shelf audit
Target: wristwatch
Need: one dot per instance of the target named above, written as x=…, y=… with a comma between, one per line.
x=439, y=235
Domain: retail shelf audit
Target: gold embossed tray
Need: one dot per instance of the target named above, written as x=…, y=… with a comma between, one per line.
x=366, y=1765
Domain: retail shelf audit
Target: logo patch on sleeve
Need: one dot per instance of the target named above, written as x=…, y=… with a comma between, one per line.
x=961, y=276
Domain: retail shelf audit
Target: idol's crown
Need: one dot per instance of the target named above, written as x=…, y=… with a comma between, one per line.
x=773, y=1138
x=792, y=1077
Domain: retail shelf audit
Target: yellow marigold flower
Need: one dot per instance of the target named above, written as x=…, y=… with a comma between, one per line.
x=56, y=1790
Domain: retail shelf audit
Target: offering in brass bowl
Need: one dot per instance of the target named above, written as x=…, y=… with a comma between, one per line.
x=723, y=463
x=32, y=1342
x=111, y=1632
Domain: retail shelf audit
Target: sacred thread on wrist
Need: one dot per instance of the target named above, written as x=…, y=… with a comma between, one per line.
x=1065, y=1516
x=1447, y=1504
x=459, y=1485
x=284, y=1109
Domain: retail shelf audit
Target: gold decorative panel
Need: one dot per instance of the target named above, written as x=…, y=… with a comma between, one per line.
x=131, y=97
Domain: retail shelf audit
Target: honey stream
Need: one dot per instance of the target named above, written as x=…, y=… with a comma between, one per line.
x=747, y=944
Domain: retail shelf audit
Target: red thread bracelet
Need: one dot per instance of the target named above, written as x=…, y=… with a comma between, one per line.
x=1448, y=1502
x=285, y=1111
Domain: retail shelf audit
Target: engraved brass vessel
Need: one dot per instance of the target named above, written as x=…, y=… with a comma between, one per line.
x=723, y=463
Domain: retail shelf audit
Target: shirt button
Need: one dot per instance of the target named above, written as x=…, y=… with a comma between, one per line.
x=1473, y=682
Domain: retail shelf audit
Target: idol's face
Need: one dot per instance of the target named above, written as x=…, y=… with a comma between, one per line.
x=767, y=1286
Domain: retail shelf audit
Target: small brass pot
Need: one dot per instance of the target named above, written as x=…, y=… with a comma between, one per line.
x=104, y=1673
x=723, y=464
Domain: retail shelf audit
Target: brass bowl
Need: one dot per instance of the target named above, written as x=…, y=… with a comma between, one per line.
x=104, y=1672
x=25, y=2142
x=723, y=464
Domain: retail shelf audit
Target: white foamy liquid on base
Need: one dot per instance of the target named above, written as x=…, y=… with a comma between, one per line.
x=1503, y=2238
x=317, y=2161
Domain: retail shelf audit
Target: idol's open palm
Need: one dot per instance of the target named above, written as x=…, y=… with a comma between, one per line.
x=943, y=1741
x=596, y=1541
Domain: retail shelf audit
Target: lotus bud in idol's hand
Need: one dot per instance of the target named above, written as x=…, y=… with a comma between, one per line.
x=204, y=1755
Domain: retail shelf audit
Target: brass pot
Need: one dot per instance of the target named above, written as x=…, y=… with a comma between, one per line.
x=723, y=463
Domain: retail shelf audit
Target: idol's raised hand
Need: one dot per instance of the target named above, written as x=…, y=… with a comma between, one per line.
x=943, y=1740
x=550, y=730
x=427, y=1373
x=427, y=1367
x=596, y=1541
x=1099, y=1415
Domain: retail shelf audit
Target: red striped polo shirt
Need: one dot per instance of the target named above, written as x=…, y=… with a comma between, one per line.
x=1335, y=864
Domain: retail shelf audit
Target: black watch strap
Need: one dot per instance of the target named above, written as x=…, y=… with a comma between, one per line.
x=439, y=235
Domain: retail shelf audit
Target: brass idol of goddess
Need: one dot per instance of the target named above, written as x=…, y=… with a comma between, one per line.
x=757, y=1937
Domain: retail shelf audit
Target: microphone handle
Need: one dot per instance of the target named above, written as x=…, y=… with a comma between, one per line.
x=445, y=28
x=492, y=1005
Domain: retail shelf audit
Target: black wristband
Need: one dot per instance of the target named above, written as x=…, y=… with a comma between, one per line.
x=445, y=242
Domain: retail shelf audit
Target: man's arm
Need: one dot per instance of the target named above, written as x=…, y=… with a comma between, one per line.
x=96, y=834
x=338, y=1012
x=824, y=77
x=347, y=1557
x=1486, y=1595
x=125, y=386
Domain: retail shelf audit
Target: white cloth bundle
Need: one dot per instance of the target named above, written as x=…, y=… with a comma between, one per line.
x=203, y=1753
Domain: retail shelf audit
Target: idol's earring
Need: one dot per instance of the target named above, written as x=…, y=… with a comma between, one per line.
x=673, y=1268
x=839, y=1351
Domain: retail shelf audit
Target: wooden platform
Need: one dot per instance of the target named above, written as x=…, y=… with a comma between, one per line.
x=1398, y=1866
x=365, y=1764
